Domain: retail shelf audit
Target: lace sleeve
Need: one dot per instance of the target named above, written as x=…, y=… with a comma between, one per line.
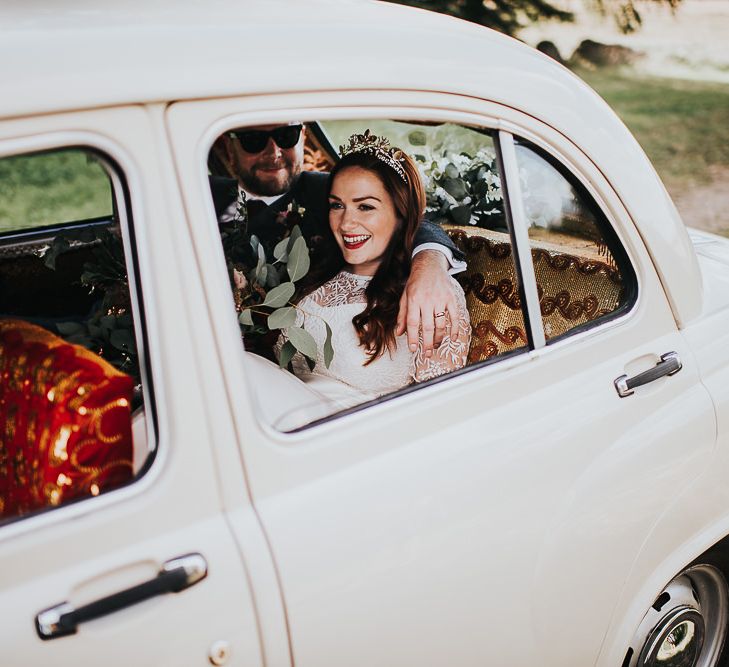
x=450, y=355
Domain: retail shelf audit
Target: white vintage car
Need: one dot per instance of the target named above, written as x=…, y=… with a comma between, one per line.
x=169, y=498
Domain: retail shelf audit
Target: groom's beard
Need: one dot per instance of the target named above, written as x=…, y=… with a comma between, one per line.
x=270, y=178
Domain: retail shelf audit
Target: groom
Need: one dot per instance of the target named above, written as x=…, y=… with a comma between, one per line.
x=268, y=160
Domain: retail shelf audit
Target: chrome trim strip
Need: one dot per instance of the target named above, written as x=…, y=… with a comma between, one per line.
x=521, y=237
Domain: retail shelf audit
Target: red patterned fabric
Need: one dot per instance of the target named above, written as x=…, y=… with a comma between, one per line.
x=65, y=421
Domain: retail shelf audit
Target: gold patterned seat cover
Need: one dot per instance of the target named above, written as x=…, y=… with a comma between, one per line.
x=65, y=421
x=575, y=286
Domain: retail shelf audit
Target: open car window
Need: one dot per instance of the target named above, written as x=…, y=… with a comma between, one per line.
x=72, y=405
x=303, y=369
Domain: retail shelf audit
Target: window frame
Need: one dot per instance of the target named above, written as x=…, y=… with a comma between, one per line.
x=504, y=144
x=111, y=157
x=522, y=242
x=205, y=120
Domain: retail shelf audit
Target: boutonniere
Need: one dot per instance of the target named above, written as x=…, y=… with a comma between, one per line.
x=292, y=216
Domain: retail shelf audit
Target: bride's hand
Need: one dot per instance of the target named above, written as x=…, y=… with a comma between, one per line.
x=426, y=299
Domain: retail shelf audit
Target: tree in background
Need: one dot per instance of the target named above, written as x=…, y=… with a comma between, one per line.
x=626, y=13
x=508, y=16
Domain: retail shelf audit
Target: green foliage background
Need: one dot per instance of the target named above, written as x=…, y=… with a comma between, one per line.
x=48, y=188
x=509, y=16
x=683, y=126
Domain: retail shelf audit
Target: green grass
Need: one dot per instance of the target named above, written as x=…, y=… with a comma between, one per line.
x=683, y=126
x=49, y=188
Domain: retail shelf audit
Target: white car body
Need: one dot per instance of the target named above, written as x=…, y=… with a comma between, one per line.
x=519, y=514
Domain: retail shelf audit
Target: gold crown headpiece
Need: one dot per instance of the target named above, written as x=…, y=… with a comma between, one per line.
x=380, y=147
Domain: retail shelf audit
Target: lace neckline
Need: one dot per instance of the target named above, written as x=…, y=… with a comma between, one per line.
x=356, y=276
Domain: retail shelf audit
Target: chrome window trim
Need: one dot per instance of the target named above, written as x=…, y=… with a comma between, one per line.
x=520, y=233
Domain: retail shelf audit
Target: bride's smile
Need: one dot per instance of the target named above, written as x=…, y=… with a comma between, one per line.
x=352, y=242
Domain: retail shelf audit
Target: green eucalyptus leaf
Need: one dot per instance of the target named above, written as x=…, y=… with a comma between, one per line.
x=108, y=322
x=451, y=171
x=295, y=234
x=298, y=264
x=59, y=245
x=328, y=349
x=279, y=296
x=122, y=340
x=246, y=317
x=281, y=252
x=456, y=187
x=303, y=341
x=70, y=328
x=480, y=188
x=86, y=235
x=461, y=214
x=261, y=274
x=81, y=339
x=417, y=138
x=282, y=318
x=255, y=243
x=272, y=279
x=287, y=352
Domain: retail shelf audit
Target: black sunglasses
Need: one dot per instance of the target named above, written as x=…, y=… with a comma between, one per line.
x=254, y=141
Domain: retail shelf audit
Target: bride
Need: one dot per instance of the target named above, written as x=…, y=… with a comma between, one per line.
x=376, y=202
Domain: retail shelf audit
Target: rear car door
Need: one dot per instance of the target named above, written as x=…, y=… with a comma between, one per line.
x=143, y=568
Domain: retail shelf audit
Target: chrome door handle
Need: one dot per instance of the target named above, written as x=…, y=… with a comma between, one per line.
x=174, y=576
x=668, y=365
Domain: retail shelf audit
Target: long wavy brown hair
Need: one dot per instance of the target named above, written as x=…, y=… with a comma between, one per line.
x=375, y=325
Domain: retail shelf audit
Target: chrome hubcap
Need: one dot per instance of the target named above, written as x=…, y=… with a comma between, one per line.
x=677, y=642
x=686, y=625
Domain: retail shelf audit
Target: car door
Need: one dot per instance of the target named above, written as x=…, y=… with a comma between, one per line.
x=150, y=573
x=488, y=518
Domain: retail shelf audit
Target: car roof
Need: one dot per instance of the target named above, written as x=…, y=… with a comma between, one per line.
x=85, y=54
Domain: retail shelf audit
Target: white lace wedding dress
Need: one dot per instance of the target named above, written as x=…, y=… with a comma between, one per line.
x=348, y=381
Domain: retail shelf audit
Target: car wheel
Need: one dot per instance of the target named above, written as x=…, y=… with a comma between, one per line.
x=687, y=623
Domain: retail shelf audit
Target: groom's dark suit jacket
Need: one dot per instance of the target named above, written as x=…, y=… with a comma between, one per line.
x=310, y=192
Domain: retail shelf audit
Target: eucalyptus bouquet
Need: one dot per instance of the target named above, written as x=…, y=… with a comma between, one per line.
x=265, y=281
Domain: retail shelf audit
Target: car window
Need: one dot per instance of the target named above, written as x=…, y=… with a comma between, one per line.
x=302, y=330
x=52, y=188
x=583, y=275
x=72, y=413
